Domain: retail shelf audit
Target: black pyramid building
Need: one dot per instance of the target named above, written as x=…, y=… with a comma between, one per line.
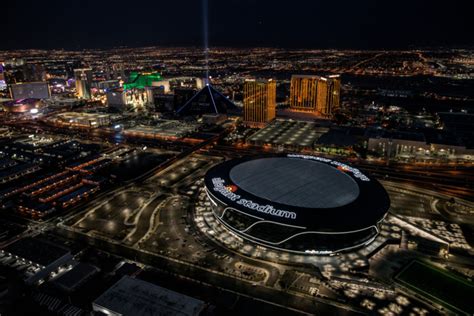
x=208, y=101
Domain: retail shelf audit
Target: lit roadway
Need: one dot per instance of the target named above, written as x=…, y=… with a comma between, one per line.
x=367, y=60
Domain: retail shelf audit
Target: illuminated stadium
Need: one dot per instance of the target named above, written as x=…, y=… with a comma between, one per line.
x=297, y=203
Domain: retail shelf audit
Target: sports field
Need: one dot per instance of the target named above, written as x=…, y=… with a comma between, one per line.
x=440, y=286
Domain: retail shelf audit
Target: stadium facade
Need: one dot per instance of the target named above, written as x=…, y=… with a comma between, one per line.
x=297, y=203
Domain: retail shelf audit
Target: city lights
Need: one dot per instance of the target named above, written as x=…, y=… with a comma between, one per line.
x=236, y=157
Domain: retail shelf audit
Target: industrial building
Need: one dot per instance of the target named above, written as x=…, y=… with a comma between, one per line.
x=30, y=90
x=131, y=296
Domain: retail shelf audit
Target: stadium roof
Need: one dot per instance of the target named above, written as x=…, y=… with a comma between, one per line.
x=296, y=182
x=314, y=192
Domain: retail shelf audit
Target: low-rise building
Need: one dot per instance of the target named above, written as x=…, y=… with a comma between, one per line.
x=131, y=296
x=39, y=258
x=85, y=120
x=430, y=144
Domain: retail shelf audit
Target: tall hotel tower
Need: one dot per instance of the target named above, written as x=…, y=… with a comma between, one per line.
x=259, y=101
x=83, y=82
x=315, y=93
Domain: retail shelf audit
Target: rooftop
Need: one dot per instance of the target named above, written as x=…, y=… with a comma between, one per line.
x=288, y=132
x=166, y=128
x=36, y=250
x=141, y=80
x=76, y=276
x=131, y=296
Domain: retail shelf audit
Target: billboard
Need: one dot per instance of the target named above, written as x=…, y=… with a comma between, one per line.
x=27, y=90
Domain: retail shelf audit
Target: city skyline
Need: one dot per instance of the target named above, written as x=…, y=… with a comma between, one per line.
x=206, y=158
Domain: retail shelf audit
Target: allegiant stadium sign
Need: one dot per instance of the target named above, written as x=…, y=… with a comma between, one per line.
x=356, y=172
x=220, y=187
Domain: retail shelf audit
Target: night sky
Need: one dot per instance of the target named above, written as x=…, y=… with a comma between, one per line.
x=294, y=24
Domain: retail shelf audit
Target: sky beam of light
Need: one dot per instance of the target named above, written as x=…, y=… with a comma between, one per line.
x=205, y=31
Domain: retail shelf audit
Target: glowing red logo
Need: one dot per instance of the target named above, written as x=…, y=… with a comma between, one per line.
x=231, y=188
x=341, y=168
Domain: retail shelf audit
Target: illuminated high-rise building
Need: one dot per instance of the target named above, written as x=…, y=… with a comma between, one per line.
x=3, y=82
x=259, y=101
x=83, y=78
x=333, y=95
x=315, y=93
x=303, y=92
